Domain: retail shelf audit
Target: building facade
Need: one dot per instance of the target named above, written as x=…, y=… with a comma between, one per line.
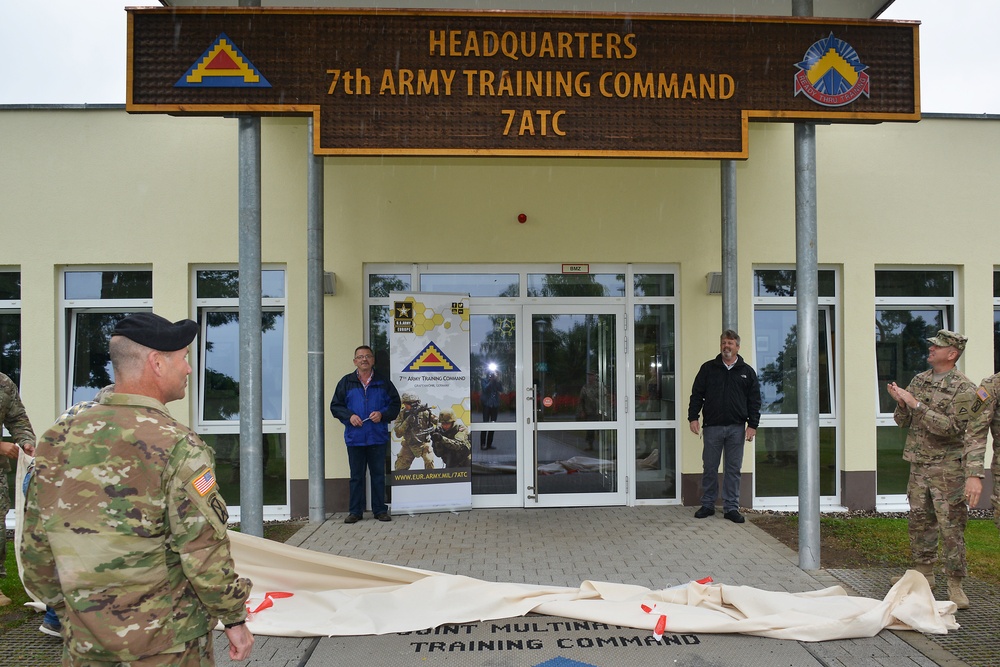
x=595, y=311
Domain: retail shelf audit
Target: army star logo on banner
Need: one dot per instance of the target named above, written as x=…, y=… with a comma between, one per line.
x=222, y=66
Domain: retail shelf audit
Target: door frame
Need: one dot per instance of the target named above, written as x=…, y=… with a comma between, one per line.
x=529, y=426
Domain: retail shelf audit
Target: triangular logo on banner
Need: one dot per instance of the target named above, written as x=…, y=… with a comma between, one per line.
x=431, y=359
x=222, y=66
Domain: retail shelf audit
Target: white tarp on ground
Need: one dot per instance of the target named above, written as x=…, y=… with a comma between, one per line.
x=334, y=595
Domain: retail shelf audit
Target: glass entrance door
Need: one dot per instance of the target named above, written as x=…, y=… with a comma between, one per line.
x=573, y=427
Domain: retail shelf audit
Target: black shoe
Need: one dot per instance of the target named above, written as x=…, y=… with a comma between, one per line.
x=703, y=512
x=734, y=516
x=384, y=516
x=352, y=518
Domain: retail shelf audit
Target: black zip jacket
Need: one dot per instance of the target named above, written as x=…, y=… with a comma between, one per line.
x=725, y=397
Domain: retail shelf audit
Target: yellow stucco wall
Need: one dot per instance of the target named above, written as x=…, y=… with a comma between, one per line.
x=99, y=187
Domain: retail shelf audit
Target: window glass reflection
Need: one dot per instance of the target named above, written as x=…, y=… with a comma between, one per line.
x=654, y=362
x=225, y=284
x=10, y=285
x=222, y=365
x=893, y=471
x=781, y=282
x=475, y=284
x=656, y=464
x=91, y=362
x=108, y=284
x=380, y=284
x=10, y=346
x=575, y=285
x=777, y=461
x=777, y=361
x=493, y=360
x=914, y=283
x=653, y=284
x=494, y=470
x=227, y=466
x=901, y=347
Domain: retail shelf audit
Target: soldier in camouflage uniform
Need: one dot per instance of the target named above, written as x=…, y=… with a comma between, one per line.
x=936, y=407
x=15, y=419
x=451, y=442
x=412, y=427
x=126, y=524
x=986, y=418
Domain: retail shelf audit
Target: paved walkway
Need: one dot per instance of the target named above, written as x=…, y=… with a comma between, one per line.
x=656, y=547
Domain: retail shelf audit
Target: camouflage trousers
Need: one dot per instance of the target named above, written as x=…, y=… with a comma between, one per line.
x=937, y=509
x=996, y=485
x=196, y=653
x=407, y=453
x=4, y=508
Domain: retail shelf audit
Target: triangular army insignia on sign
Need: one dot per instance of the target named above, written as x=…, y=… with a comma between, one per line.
x=222, y=66
x=431, y=359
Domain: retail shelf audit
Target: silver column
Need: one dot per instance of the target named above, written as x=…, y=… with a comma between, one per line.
x=807, y=318
x=315, y=315
x=730, y=287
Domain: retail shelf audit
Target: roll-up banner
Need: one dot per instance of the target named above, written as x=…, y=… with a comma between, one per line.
x=431, y=451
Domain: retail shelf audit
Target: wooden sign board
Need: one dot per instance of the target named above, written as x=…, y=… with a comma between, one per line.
x=394, y=82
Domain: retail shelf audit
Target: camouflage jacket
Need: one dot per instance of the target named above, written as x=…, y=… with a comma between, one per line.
x=13, y=417
x=124, y=520
x=937, y=425
x=985, y=418
x=453, y=447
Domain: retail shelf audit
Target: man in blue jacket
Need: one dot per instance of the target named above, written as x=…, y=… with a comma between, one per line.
x=727, y=394
x=366, y=403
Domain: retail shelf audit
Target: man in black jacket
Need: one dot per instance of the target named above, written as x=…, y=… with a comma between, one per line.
x=727, y=394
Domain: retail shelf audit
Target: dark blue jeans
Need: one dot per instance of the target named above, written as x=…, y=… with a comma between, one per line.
x=372, y=458
x=51, y=618
x=719, y=441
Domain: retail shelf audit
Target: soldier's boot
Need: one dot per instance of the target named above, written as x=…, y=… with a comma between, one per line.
x=956, y=594
x=4, y=600
x=925, y=569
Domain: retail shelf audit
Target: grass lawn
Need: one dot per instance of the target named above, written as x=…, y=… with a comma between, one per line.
x=885, y=542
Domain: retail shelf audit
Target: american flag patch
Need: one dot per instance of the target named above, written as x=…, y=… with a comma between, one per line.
x=204, y=482
x=982, y=394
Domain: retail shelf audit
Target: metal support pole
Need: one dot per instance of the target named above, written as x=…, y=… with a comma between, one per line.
x=315, y=316
x=251, y=436
x=807, y=326
x=730, y=305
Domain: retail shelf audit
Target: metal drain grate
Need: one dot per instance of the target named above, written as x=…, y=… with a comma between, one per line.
x=977, y=642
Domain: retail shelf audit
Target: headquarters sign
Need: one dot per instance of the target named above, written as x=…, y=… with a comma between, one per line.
x=395, y=82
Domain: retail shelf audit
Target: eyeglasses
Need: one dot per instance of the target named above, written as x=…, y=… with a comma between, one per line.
x=364, y=356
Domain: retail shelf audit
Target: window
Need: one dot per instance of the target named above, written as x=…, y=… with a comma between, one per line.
x=218, y=380
x=775, y=349
x=910, y=306
x=10, y=347
x=94, y=301
x=996, y=321
x=10, y=325
x=653, y=361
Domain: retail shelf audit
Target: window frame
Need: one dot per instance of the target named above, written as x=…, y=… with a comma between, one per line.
x=833, y=308
x=70, y=308
x=949, y=307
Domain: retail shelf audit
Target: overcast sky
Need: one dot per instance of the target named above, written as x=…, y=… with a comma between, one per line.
x=73, y=52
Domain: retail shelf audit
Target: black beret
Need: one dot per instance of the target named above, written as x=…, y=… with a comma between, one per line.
x=156, y=332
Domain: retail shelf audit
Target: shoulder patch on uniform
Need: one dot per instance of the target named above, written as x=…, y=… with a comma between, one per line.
x=983, y=394
x=204, y=482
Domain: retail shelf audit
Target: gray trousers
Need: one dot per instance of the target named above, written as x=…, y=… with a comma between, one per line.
x=719, y=440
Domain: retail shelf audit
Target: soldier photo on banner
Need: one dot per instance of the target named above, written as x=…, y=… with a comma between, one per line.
x=431, y=451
